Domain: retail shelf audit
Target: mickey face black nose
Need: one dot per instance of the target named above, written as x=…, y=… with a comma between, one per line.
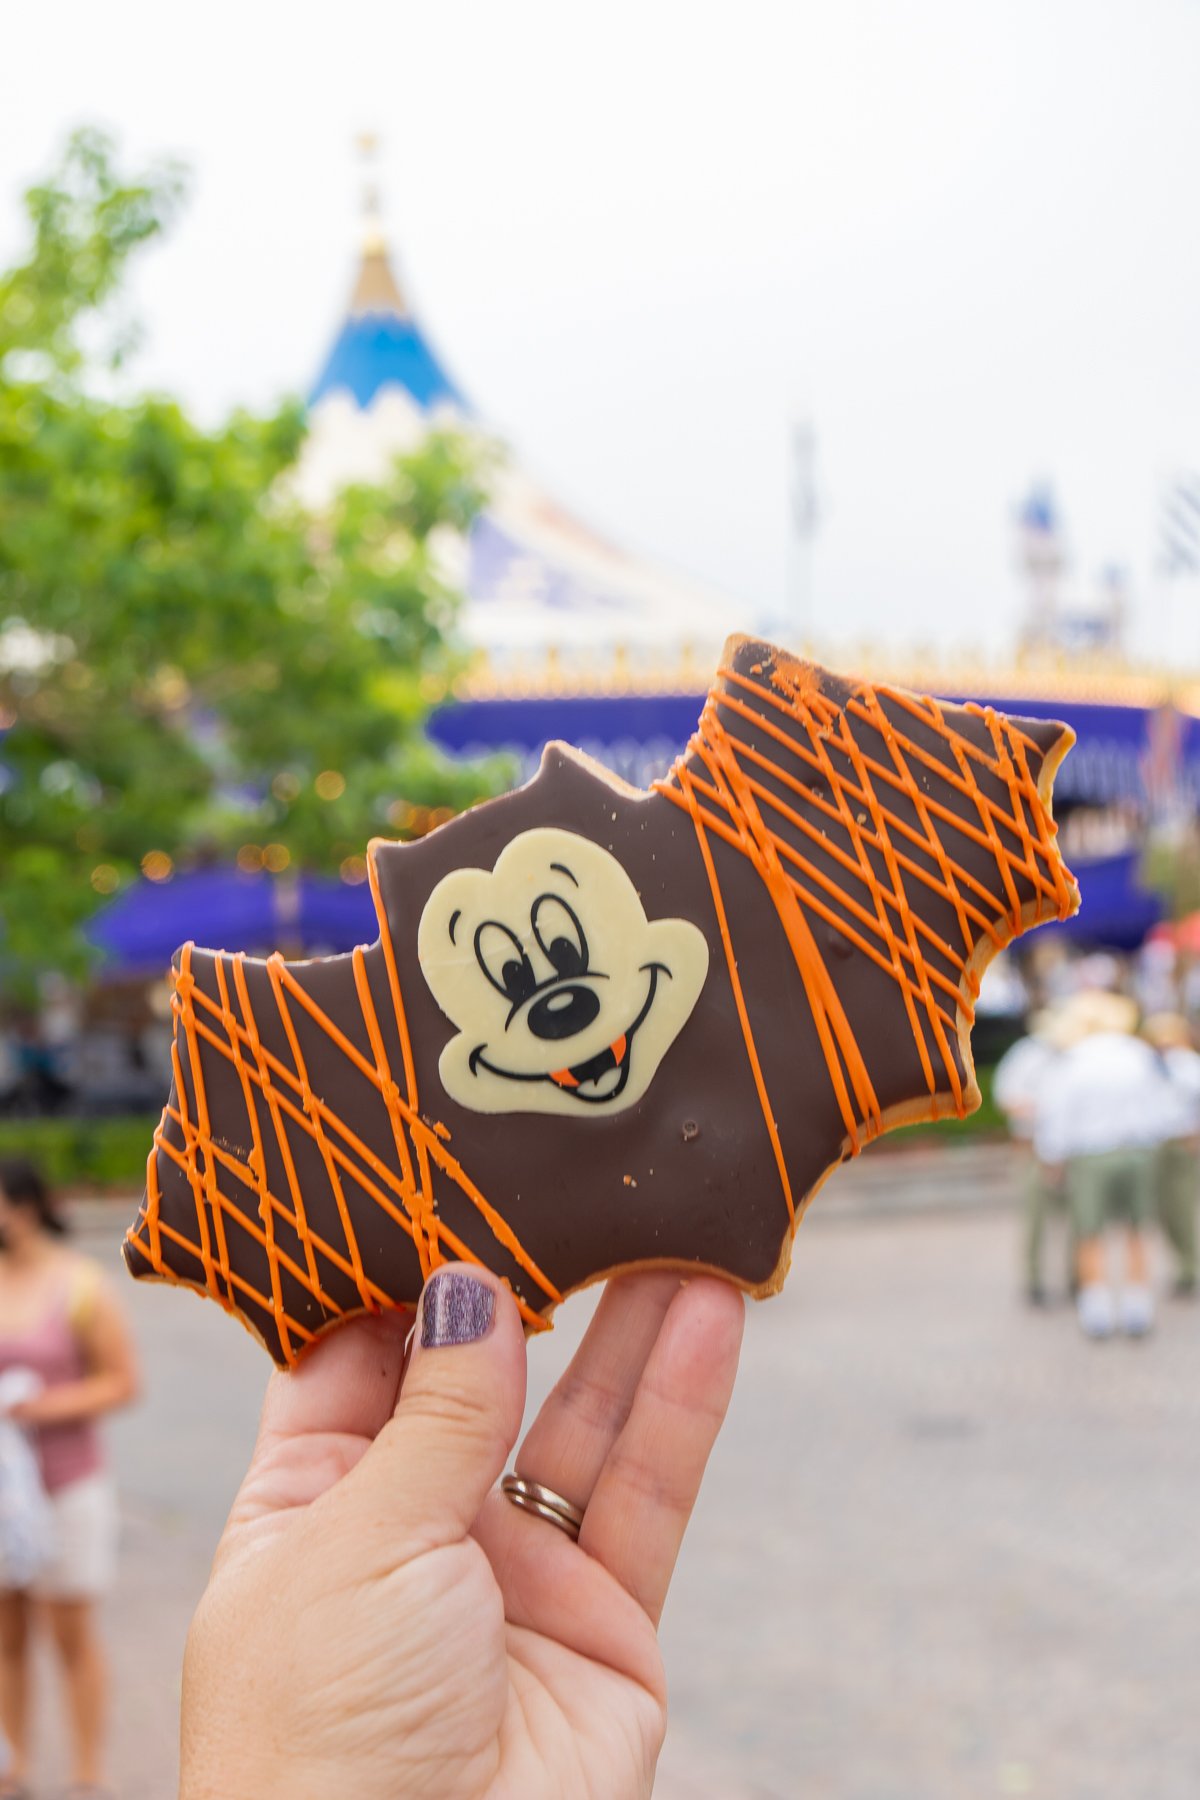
x=563, y=1013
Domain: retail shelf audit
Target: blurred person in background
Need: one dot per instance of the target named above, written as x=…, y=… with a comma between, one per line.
x=10, y=1069
x=1155, y=976
x=1101, y=1116
x=60, y=1322
x=1177, y=1167
x=1016, y=1084
x=40, y=1084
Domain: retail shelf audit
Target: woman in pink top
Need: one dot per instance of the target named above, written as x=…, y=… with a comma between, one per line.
x=59, y=1320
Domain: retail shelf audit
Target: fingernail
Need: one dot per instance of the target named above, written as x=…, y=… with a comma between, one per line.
x=455, y=1309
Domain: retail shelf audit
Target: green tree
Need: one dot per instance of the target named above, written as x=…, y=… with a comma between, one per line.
x=190, y=664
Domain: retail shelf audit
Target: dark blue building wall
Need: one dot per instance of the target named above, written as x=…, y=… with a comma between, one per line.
x=638, y=734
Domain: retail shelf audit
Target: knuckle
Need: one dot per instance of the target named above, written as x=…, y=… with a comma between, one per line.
x=458, y=1412
x=662, y=1487
x=596, y=1403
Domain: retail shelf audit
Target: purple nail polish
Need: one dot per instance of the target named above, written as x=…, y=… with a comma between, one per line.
x=455, y=1309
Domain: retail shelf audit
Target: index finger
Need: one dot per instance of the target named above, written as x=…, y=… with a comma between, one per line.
x=643, y=1499
x=568, y=1443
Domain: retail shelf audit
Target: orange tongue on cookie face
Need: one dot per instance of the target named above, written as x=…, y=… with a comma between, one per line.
x=563, y=1078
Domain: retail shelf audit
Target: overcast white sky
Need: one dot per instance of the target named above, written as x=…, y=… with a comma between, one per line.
x=645, y=236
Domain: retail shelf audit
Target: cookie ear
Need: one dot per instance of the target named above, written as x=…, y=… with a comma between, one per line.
x=1045, y=743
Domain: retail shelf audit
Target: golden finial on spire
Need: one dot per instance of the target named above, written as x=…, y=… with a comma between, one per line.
x=376, y=289
x=367, y=144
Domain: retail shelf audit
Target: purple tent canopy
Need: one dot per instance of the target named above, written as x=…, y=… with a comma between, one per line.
x=1115, y=910
x=226, y=909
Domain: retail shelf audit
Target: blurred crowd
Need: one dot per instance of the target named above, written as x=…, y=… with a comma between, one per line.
x=86, y=1051
x=1104, y=1093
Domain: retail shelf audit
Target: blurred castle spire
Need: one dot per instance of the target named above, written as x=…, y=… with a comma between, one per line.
x=544, y=593
x=381, y=346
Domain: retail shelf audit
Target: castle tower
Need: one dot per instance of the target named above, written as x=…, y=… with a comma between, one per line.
x=551, y=604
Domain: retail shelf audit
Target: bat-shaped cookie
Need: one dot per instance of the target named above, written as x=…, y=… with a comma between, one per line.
x=604, y=1027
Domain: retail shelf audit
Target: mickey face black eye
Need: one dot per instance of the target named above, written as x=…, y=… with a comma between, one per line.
x=559, y=935
x=502, y=958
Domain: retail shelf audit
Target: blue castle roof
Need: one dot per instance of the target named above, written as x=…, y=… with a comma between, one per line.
x=381, y=344
x=378, y=350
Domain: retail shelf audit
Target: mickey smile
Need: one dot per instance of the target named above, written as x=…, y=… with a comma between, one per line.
x=598, y=1078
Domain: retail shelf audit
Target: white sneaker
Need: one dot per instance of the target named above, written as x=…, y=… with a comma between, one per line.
x=1136, y=1311
x=1095, y=1309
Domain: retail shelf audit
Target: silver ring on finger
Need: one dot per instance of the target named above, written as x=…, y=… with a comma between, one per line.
x=544, y=1503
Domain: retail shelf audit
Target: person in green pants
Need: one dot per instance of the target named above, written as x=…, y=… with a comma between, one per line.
x=1177, y=1171
x=1101, y=1115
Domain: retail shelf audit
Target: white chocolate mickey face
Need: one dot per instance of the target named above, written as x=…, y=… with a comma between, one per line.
x=566, y=997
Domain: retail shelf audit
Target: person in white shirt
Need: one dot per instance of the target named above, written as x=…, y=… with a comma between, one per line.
x=1176, y=1169
x=1100, y=1117
x=1018, y=1080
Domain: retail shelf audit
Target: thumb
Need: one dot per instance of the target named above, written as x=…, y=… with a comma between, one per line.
x=433, y=1464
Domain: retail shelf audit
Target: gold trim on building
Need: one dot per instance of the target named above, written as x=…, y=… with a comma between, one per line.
x=626, y=670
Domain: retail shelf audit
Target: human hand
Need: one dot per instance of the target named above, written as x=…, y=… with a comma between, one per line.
x=379, y=1622
x=20, y=1388
x=30, y=1413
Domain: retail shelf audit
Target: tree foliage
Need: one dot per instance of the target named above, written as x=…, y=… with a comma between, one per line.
x=191, y=665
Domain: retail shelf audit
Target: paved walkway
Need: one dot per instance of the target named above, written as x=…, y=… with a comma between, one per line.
x=947, y=1550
